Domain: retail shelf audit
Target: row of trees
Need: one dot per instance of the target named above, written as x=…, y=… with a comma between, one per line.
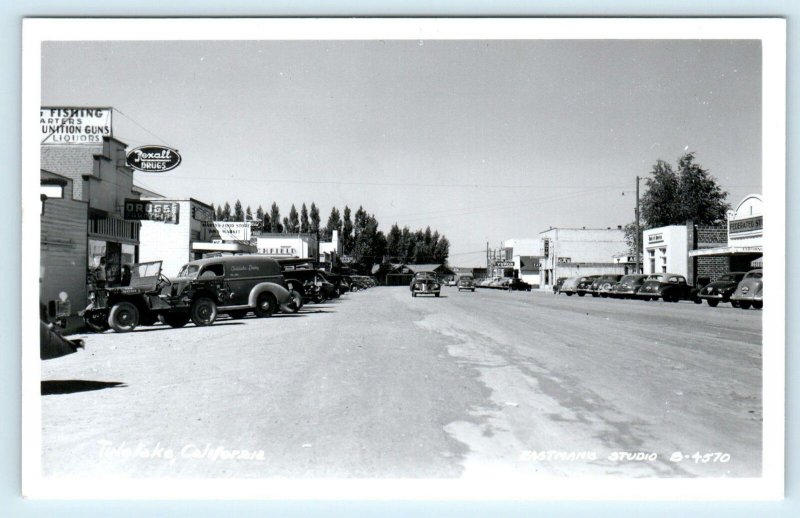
x=361, y=239
x=675, y=195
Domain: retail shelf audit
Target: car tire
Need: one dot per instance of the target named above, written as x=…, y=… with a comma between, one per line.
x=175, y=320
x=697, y=301
x=568, y=293
x=712, y=303
x=744, y=305
x=203, y=311
x=123, y=317
x=595, y=295
x=581, y=294
x=266, y=305
x=758, y=305
x=297, y=298
x=436, y=294
x=237, y=314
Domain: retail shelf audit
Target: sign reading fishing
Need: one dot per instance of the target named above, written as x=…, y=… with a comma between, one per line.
x=74, y=126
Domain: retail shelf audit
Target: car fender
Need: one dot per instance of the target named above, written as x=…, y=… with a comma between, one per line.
x=281, y=294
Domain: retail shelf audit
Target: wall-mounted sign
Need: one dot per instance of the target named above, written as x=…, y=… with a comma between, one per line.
x=530, y=264
x=504, y=264
x=202, y=213
x=153, y=159
x=655, y=238
x=737, y=226
x=69, y=126
x=564, y=260
x=152, y=210
x=227, y=230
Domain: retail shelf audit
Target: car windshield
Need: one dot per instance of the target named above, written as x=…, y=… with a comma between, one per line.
x=655, y=277
x=728, y=277
x=755, y=275
x=423, y=276
x=189, y=270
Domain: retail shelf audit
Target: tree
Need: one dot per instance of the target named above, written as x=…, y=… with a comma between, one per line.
x=304, y=223
x=226, y=212
x=294, y=221
x=394, y=243
x=248, y=214
x=442, y=250
x=260, y=217
x=673, y=198
x=238, y=213
x=334, y=223
x=285, y=227
x=314, y=217
x=347, y=232
x=275, y=219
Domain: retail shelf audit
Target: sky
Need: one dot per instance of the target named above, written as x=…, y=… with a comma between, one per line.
x=481, y=140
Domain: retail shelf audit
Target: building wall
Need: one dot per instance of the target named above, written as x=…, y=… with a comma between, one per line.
x=745, y=225
x=72, y=161
x=63, y=265
x=580, y=251
x=168, y=242
x=665, y=249
x=524, y=246
x=288, y=245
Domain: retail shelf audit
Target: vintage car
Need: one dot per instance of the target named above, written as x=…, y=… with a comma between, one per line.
x=607, y=279
x=499, y=283
x=557, y=285
x=750, y=291
x=151, y=296
x=517, y=284
x=628, y=286
x=570, y=286
x=585, y=285
x=466, y=282
x=670, y=287
x=425, y=283
x=721, y=289
x=252, y=283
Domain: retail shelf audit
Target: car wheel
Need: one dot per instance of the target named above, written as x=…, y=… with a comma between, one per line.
x=697, y=301
x=436, y=294
x=175, y=320
x=236, y=314
x=758, y=305
x=744, y=305
x=265, y=305
x=712, y=303
x=569, y=293
x=203, y=311
x=123, y=317
x=581, y=294
x=297, y=298
x=595, y=295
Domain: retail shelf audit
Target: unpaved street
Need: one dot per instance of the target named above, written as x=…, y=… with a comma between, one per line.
x=380, y=384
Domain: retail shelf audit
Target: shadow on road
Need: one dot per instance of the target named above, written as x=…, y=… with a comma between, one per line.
x=168, y=328
x=71, y=386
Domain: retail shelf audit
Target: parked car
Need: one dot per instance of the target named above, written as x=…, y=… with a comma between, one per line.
x=557, y=285
x=518, y=285
x=585, y=284
x=721, y=289
x=466, y=282
x=485, y=283
x=151, y=296
x=628, y=286
x=606, y=279
x=252, y=282
x=670, y=287
x=750, y=291
x=500, y=283
x=570, y=286
x=425, y=283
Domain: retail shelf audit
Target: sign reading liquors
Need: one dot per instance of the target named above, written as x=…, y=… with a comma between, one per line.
x=83, y=126
x=161, y=210
x=154, y=159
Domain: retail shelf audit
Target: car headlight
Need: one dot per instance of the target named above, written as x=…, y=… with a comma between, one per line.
x=92, y=296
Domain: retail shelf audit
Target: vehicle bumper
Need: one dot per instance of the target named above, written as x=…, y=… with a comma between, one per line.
x=747, y=298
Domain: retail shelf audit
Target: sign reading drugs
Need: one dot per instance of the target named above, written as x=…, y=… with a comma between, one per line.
x=227, y=230
x=153, y=159
x=166, y=211
x=74, y=126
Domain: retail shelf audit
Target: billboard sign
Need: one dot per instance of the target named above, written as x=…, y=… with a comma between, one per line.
x=153, y=159
x=227, y=230
x=74, y=126
x=152, y=210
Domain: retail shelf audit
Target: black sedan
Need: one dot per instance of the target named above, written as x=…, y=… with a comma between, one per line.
x=721, y=289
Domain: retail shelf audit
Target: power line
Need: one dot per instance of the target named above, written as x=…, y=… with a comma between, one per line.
x=147, y=130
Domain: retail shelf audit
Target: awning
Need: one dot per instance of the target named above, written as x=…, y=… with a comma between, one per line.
x=236, y=248
x=757, y=263
x=726, y=251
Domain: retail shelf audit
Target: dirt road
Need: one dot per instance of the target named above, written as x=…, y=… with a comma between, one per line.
x=378, y=384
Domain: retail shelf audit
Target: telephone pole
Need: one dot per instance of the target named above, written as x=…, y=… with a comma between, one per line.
x=638, y=230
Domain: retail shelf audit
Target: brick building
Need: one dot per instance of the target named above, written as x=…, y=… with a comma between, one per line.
x=666, y=249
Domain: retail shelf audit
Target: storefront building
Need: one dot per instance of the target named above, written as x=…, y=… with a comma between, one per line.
x=98, y=176
x=525, y=259
x=744, y=247
x=302, y=246
x=175, y=231
x=665, y=250
x=569, y=252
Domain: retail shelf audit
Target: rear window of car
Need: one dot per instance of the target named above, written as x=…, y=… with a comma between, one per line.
x=755, y=275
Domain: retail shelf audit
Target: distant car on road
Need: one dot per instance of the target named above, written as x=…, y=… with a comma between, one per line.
x=750, y=291
x=425, y=283
x=516, y=284
x=670, y=287
x=721, y=289
x=570, y=286
x=466, y=282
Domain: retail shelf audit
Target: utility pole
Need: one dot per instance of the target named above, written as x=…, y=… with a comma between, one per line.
x=638, y=230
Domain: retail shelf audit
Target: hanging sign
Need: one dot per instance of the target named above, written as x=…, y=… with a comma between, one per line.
x=63, y=125
x=154, y=159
